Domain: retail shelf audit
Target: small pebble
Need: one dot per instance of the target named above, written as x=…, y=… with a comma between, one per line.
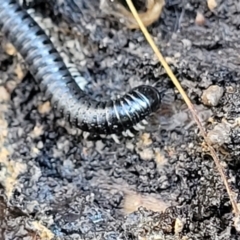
x=178, y=226
x=4, y=95
x=237, y=222
x=37, y=131
x=10, y=50
x=220, y=134
x=187, y=44
x=200, y=19
x=212, y=95
x=11, y=85
x=44, y=108
x=211, y=4
x=160, y=158
x=40, y=145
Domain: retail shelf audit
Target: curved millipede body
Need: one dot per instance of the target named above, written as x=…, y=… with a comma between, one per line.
x=51, y=73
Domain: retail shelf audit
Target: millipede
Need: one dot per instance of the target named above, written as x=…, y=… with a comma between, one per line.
x=48, y=69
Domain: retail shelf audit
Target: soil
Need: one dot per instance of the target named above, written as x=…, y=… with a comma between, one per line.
x=58, y=182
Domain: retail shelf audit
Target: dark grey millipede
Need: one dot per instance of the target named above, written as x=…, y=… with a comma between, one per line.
x=49, y=70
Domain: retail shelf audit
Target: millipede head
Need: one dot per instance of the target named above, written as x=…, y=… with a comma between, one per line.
x=152, y=94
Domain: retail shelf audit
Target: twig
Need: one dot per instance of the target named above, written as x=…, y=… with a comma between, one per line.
x=187, y=101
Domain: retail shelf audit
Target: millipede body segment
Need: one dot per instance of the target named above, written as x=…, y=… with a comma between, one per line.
x=49, y=70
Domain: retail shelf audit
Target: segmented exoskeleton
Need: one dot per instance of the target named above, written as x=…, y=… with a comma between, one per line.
x=49, y=70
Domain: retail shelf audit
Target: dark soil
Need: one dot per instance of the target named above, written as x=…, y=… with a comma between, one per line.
x=62, y=183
